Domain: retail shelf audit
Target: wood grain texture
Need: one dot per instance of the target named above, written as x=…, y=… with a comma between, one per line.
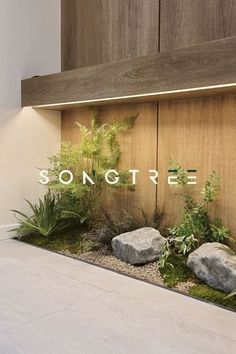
x=188, y=22
x=138, y=151
x=200, y=134
x=101, y=31
x=207, y=64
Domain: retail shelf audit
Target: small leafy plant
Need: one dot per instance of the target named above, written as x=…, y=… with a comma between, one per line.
x=177, y=245
x=196, y=226
x=45, y=219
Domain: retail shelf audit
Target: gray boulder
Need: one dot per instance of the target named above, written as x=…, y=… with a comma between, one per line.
x=215, y=264
x=138, y=247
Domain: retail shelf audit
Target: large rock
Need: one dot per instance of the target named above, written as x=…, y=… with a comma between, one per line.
x=215, y=264
x=138, y=247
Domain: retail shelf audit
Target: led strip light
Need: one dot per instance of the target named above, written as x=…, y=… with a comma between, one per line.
x=153, y=94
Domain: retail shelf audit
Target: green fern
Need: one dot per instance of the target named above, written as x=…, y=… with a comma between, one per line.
x=97, y=152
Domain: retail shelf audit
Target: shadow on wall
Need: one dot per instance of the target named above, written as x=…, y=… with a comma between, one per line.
x=27, y=137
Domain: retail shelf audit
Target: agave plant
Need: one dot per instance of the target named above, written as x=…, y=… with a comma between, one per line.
x=45, y=219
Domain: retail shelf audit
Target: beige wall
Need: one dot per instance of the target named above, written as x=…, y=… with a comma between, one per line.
x=29, y=45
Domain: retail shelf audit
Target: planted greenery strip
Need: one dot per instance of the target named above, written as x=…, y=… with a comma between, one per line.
x=92, y=234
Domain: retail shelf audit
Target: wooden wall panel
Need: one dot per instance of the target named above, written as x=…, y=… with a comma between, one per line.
x=201, y=134
x=188, y=22
x=100, y=31
x=138, y=150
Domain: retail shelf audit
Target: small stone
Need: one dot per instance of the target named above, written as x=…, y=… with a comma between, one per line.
x=215, y=264
x=138, y=247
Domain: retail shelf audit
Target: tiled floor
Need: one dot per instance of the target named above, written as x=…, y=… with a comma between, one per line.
x=50, y=304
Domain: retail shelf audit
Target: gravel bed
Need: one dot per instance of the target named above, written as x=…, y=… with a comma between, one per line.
x=185, y=286
x=104, y=258
x=148, y=272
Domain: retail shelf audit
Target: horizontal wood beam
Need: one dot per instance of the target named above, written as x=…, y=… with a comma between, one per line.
x=205, y=69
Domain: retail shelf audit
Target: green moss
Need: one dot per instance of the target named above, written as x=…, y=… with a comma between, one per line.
x=71, y=240
x=176, y=271
x=36, y=240
x=203, y=291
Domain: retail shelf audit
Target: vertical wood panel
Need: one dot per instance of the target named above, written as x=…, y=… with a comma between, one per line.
x=138, y=150
x=188, y=22
x=200, y=134
x=100, y=31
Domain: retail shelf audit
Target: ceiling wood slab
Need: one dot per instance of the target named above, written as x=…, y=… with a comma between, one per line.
x=208, y=68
